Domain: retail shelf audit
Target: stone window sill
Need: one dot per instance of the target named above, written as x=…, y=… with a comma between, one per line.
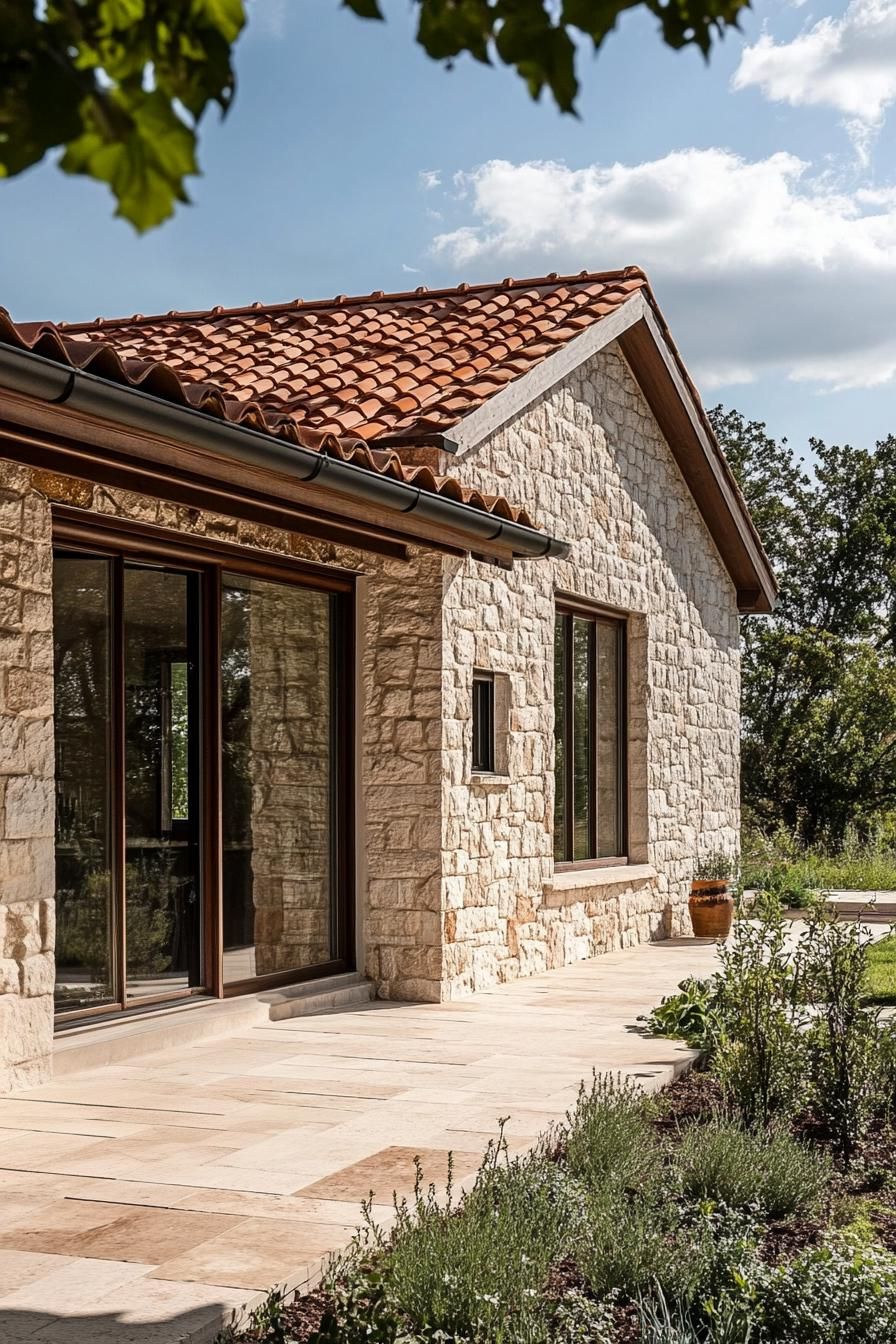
x=570, y=881
x=489, y=777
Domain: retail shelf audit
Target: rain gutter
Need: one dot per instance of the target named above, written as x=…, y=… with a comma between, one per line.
x=36, y=376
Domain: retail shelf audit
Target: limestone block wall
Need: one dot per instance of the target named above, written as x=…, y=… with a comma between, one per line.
x=401, y=711
x=26, y=781
x=289, y=768
x=590, y=462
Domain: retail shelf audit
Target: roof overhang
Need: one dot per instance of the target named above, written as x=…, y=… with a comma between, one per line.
x=660, y=373
x=71, y=421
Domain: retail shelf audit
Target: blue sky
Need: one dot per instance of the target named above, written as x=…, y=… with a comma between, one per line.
x=758, y=191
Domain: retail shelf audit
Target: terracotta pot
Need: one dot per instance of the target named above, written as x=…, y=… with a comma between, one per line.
x=712, y=908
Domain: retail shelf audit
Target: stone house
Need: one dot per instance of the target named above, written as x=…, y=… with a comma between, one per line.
x=385, y=643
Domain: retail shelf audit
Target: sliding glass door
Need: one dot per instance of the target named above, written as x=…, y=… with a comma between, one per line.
x=202, y=719
x=85, y=923
x=163, y=911
x=277, y=690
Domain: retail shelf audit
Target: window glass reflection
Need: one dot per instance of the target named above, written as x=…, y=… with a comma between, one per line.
x=277, y=728
x=81, y=589
x=583, y=764
x=608, y=766
x=162, y=893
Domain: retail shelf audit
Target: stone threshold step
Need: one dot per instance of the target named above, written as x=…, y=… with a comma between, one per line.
x=348, y=990
x=94, y=1044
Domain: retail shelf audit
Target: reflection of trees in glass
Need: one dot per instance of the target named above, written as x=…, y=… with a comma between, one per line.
x=583, y=636
x=608, y=837
x=82, y=937
x=143, y=749
x=180, y=742
x=236, y=701
x=81, y=726
x=587, y=815
x=80, y=636
x=152, y=886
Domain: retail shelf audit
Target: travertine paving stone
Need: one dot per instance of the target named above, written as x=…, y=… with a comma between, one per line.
x=220, y=1183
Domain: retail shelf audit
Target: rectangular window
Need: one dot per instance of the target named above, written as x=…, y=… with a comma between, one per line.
x=484, y=722
x=589, y=735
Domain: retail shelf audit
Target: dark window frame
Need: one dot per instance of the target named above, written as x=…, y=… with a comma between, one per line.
x=124, y=541
x=568, y=611
x=484, y=732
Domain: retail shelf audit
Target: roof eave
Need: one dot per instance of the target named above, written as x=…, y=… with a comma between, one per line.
x=55, y=384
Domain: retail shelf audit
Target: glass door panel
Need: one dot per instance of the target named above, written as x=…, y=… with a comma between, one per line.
x=277, y=732
x=85, y=927
x=583, y=736
x=609, y=841
x=163, y=909
x=133, y=640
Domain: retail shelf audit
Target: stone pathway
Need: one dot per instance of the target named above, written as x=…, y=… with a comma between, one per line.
x=143, y=1203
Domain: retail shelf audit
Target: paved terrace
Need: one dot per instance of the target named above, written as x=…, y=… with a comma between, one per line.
x=142, y=1203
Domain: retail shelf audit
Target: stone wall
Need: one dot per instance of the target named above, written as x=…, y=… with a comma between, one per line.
x=26, y=782
x=589, y=461
x=398, y=630
x=289, y=769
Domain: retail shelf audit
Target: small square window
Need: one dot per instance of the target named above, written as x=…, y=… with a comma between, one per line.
x=483, y=722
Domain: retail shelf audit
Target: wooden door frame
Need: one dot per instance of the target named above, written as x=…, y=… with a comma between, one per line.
x=123, y=540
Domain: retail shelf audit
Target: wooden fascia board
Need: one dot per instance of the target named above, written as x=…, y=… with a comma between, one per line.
x=519, y=395
x=88, y=447
x=701, y=462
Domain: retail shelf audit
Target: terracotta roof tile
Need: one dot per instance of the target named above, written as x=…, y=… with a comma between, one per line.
x=117, y=365
x=394, y=364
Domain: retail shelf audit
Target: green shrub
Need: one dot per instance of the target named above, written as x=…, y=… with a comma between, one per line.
x=691, y=1015
x=581, y=1319
x=760, y=1057
x=673, y=1322
x=609, y=1141
x=843, y=1042
x=718, y=1301
x=265, y=1323
x=781, y=863
x=474, y=1271
x=840, y=1293
x=629, y=1241
x=644, y=1238
x=722, y=1162
x=715, y=866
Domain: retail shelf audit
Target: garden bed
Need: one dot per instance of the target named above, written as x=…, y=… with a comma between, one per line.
x=805, y=1207
x=753, y=1202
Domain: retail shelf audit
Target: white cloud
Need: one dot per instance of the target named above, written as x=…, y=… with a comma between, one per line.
x=429, y=178
x=848, y=64
x=410, y=270
x=760, y=266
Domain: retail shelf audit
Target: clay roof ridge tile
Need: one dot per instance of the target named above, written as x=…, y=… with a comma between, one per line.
x=627, y=274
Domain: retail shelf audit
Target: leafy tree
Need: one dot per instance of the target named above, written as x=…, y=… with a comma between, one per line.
x=121, y=85
x=819, y=675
